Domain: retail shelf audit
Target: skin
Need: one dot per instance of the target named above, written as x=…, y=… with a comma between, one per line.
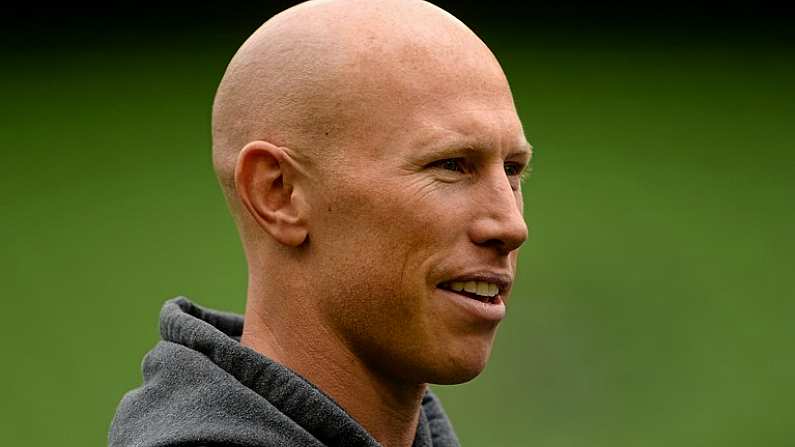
x=370, y=150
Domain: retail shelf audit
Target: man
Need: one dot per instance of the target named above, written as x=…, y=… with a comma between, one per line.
x=371, y=155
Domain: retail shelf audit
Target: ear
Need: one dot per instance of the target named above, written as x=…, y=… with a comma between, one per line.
x=265, y=184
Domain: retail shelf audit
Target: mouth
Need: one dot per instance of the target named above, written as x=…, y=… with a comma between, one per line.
x=482, y=290
x=479, y=296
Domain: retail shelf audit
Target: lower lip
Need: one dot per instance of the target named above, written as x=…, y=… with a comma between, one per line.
x=492, y=311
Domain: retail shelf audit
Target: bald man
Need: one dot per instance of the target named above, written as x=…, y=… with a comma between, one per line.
x=371, y=155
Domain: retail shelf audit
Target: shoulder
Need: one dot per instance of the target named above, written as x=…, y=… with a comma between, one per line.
x=186, y=400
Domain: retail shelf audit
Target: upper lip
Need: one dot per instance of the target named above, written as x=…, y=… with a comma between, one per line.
x=502, y=280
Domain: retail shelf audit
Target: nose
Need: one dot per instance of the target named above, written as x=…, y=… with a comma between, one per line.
x=499, y=222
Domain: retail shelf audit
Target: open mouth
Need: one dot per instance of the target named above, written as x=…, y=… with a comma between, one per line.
x=483, y=291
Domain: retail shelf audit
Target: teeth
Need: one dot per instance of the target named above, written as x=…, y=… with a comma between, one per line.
x=480, y=288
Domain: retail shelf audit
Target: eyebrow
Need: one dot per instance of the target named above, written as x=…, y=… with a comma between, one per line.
x=456, y=148
x=524, y=148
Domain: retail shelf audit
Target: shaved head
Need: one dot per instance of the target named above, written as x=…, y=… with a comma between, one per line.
x=371, y=154
x=322, y=74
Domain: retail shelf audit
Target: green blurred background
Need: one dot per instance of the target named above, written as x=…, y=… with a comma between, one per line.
x=655, y=294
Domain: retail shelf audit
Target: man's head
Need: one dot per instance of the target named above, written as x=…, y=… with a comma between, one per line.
x=371, y=154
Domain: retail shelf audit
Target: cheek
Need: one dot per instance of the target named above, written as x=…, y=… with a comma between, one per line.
x=360, y=238
x=378, y=241
x=386, y=221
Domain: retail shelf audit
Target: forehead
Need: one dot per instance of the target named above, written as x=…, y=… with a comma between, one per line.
x=418, y=93
x=492, y=129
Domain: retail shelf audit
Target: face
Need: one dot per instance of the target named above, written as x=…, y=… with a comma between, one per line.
x=415, y=230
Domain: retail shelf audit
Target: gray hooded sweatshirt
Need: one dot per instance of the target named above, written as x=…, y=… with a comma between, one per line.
x=203, y=388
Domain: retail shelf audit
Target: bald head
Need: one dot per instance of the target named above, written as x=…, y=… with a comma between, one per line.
x=371, y=153
x=321, y=75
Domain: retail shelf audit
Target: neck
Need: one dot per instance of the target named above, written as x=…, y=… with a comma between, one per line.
x=387, y=409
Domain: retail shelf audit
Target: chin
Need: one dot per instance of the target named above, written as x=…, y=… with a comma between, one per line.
x=460, y=366
x=456, y=376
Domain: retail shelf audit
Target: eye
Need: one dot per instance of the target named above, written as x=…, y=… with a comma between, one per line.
x=516, y=173
x=513, y=169
x=449, y=164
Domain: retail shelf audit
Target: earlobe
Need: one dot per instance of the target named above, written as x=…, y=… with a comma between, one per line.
x=267, y=190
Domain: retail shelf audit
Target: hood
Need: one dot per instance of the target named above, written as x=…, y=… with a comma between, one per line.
x=202, y=387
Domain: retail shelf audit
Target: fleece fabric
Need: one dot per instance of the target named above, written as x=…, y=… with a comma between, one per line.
x=201, y=387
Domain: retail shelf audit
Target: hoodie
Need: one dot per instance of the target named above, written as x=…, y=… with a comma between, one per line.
x=203, y=388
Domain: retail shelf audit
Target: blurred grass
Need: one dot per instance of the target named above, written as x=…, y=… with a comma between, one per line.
x=655, y=291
